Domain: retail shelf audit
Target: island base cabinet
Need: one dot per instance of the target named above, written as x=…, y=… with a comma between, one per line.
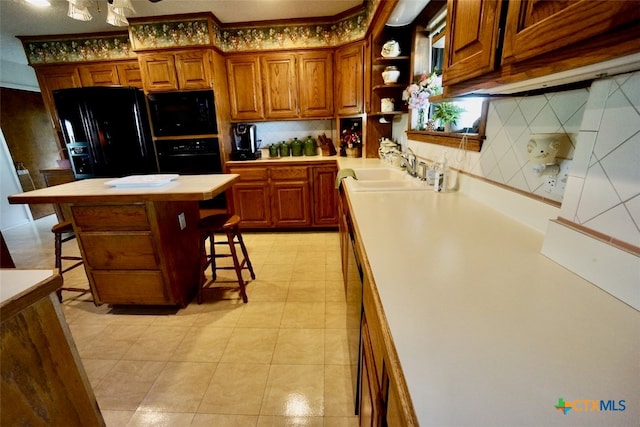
x=43, y=381
x=140, y=253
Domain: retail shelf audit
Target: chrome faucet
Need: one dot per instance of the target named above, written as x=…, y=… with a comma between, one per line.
x=410, y=161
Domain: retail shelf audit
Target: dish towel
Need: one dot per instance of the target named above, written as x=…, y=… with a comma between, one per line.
x=342, y=174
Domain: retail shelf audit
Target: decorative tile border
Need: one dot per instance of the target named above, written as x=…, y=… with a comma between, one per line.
x=203, y=30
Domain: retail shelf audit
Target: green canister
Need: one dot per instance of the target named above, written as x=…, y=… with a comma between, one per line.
x=285, y=149
x=310, y=147
x=274, y=150
x=297, y=147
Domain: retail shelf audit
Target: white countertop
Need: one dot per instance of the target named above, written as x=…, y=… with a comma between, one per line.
x=488, y=330
x=15, y=281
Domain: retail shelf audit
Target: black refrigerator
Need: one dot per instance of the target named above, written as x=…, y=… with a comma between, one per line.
x=106, y=131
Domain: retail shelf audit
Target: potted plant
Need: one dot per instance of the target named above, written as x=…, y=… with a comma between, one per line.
x=448, y=113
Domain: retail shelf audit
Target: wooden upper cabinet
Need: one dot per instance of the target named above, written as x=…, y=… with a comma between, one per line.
x=129, y=74
x=102, y=74
x=349, y=90
x=537, y=27
x=472, y=38
x=184, y=70
x=245, y=88
x=55, y=77
x=194, y=69
x=279, y=85
x=315, y=84
x=158, y=71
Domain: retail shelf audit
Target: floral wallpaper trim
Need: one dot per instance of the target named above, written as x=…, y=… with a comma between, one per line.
x=79, y=50
x=275, y=37
x=203, y=31
x=171, y=34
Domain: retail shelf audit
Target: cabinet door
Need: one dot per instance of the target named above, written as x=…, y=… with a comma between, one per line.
x=56, y=77
x=251, y=204
x=129, y=74
x=159, y=71
x=99, y=75
x=315, y=84
x=193, y=70
x=325, y=196
x=370, y=409
x=245, y=88
x=472, y=37
x=349, y=92
x=279, y=85
x=535, y=27
x=290, y=203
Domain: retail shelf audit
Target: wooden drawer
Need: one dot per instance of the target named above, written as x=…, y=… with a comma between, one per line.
x=131, y=287
x=110, y=218
x=295, y=172
x=119, y=251
x=250, y=174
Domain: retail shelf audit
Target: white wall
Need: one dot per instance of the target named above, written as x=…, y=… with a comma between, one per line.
x=10, y=215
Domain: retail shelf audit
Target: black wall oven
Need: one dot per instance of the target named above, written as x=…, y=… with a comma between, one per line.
x=198, y=156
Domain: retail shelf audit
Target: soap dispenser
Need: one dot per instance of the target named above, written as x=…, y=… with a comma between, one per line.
x=440, y=182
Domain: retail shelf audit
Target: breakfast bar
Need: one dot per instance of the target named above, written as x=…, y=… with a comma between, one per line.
x=138, y=239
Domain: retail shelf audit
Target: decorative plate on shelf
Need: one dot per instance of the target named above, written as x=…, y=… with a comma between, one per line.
x=142, y=180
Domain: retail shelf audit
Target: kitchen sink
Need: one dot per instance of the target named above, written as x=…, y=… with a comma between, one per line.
x=384, y=179
x=380, y=174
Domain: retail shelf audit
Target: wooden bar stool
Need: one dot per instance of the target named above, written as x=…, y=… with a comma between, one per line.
x=60, y=229
x=228, y=224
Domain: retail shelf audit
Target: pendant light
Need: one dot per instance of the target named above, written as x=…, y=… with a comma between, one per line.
x=78, y=9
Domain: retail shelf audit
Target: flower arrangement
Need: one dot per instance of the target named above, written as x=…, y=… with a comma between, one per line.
x=351, y=144
x=417, y=94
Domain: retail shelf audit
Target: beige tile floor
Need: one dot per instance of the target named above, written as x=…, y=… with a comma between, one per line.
x=283, y=359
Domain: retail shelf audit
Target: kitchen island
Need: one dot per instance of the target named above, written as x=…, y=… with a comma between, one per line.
x=140, y=243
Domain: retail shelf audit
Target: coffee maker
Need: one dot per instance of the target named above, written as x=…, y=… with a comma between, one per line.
x=244, y=142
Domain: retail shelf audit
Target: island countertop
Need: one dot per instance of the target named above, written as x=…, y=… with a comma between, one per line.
x=184, y=188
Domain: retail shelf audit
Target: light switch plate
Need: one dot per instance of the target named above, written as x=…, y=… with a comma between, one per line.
x=182, y=220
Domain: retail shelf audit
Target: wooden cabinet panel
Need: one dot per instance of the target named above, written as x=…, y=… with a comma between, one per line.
x=370, y=402
x=315, y=84
x=110, y=218
x=534, y=27
x=55, y=77
x=290, y=203
x=279, y=84
x=119, y=251
x=325, y=196
x=349, y=70
x=251, y=203
x=245, y=87
x=43, y=380
x=472, y=37
x=194, y=70
x=131, y=287
x=99, y=75
x=158, y=71
x=293, y=172
x=250, y=174
x=130, y=75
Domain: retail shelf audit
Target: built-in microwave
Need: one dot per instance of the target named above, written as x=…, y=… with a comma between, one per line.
x=183, y=113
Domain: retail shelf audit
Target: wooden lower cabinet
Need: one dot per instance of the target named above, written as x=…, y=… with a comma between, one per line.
x=251, y=202
x=298, y=195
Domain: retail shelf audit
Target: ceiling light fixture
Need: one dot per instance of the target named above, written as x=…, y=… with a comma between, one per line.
x=39, y=3
x=116, y=11
x=405, y=12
